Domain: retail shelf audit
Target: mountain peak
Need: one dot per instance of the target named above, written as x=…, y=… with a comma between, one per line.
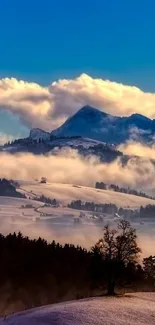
x=86, y=122
x=89, y=110
x=137, y=116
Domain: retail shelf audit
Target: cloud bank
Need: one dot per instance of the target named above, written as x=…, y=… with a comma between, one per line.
x=138, y=149
x=137, y=173
x=48, y=107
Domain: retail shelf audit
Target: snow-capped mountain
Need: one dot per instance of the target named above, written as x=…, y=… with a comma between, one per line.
x=87, y=122
x=90, y=132
x=91, y=123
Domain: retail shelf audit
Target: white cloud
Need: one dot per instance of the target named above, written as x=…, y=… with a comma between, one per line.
x=138, y=149
x=48, y=107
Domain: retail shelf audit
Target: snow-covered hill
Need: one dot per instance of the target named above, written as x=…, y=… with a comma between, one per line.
x=65, y=193
x=40, y=142
x=37, y=134
x=76, y=142
x=133, y=309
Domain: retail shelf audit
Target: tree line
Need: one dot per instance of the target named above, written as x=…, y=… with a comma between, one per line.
x=116, y=188
x=29, y=140
x=109, y=208
x=46, y=200
x=8, y=188
x=35, y=272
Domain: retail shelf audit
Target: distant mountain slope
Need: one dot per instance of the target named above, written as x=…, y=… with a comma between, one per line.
x=90, y=132
x=92, y=123
x=40, y=142
x=37, y=134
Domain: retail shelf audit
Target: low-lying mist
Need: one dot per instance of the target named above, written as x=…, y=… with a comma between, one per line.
x=83, y=235
x=70, y=167
x=138, y=149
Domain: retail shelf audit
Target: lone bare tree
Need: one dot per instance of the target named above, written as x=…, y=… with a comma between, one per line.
x=118, y=247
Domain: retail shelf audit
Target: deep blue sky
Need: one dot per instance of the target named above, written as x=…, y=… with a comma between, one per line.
x=43, y=40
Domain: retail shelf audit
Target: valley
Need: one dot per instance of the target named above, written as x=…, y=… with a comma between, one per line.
x=64, y=224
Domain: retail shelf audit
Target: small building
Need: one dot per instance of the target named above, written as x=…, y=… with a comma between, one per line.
x=43, y=180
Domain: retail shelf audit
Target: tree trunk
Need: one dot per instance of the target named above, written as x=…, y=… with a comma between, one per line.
x=111, y=287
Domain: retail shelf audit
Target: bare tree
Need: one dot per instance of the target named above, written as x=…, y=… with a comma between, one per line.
x=118, y=248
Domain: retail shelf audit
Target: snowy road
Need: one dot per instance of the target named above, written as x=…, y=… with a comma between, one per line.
x=135, y=309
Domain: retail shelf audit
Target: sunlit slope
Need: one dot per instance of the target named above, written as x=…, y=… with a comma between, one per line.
x=65, y=193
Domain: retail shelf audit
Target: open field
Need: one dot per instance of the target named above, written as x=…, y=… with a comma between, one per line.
x=58, y=223
x=65, y=193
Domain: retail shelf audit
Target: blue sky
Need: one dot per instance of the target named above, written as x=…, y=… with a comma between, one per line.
x=42, y=41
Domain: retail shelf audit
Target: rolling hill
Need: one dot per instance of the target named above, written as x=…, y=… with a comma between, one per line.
x=138, y=308
x=65, y=193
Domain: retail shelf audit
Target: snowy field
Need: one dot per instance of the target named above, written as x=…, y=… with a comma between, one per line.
x=65, y=193
x=59, y=223
x=133, y=309
x=48, y=222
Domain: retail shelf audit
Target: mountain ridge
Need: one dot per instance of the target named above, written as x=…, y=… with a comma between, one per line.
x=90, y=132
x=92, y=123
